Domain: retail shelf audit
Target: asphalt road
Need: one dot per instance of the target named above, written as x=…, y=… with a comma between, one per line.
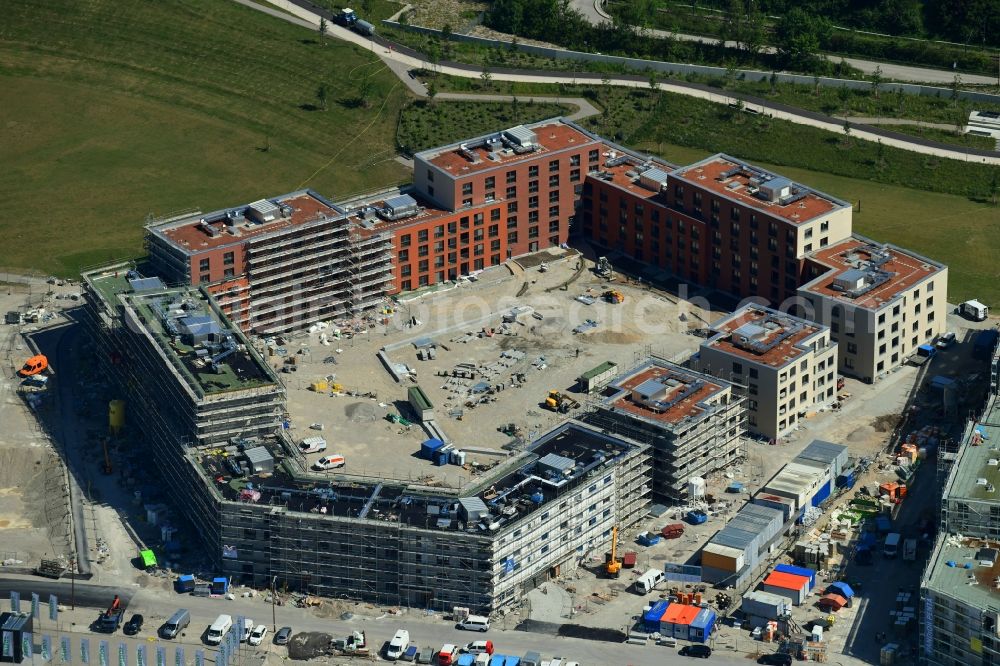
x=593, y=11
x=304, y=10
x=432, y=631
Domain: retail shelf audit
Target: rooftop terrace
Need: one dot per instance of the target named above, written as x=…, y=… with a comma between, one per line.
x=758, y=188
x=977, y=585
x=200, y=343
x=763, y=335
x=868, y=274
x=197, y=232
x=505, y=148
x=663, y=393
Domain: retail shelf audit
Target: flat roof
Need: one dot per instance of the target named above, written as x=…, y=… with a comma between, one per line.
x=200, y=343
x=684, y=395
x=947, y=574
x=745, y=184
x=881, y=272
x=977, y=467
x=626, y=172
x=560, y=460
x=763, y=335
x=231, y=226
x=476, y=154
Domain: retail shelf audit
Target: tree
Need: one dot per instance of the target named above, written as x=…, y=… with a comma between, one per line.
x=876, y=80
x=847, y=132
x=515, y=108
x=844, y=94
x=956, y=84
x=744, y=26
x=431, y=91
x=486, y=77
x=322, y=26
x=774, y=82
x=321, y=94
x=365, y=87
x=797, y=35
x=654, y=84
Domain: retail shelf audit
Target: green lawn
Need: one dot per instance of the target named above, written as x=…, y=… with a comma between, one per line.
x=117, y=109
x=424, y=125
x=946, y=136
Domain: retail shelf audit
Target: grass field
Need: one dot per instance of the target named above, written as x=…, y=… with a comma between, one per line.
x=117, y=109
x=424, y=125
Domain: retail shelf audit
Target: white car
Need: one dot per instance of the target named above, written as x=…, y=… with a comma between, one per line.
x=329, y=462
x=945, y=340
x=258, y=634
x=247, y=630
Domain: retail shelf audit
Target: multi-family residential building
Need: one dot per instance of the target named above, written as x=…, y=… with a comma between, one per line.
x=692, y=422
x=719, y=222
x=881, y=302
x=787, y=364
x=209, y=411
x=960, y=588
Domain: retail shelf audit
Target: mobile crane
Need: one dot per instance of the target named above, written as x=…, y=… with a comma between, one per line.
x=614, y=565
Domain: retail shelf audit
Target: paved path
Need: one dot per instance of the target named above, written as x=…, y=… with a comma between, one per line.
x=895, y=121
x=593, y=11
x=412, y=59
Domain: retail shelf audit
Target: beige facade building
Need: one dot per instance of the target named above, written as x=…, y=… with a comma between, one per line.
x=787, y=364
x=881, y=303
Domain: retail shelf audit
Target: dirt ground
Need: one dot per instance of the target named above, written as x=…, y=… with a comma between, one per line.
x=548, y=354
x=34, y=515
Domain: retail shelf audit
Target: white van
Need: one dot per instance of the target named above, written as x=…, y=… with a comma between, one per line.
x=475, y=623
x=397, y=646
x=218, y=629
x=974, y=310
x=649, y=580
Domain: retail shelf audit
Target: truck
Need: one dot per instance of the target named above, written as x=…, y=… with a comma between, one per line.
x=109, y=621
x=355, y=643
x=363, y=28
x=909, y=550
x=891, y=545
x=924, y=353
x=346, y=17
x=974, y=310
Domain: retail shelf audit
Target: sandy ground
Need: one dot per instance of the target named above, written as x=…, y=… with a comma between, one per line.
x=552, y=358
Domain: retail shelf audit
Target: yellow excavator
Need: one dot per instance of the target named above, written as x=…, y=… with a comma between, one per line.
x=614, y=565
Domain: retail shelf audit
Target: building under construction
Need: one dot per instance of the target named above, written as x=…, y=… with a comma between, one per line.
x=693, y=422
x=283, y=263
x=210, y=411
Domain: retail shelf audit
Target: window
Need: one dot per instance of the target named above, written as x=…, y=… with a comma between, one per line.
x=405, y=240
x=423, y=251
x=495, y=215
x=574, y=175
x=494, y=230
x=809, y=233
x=466, y=188
x=430, y=175
x=554, y=195
x=533, y=171
x=229, y=258
x=511, y=177
x=511, y=208
x=737, y=368
x=491, y=182
x=422, y=236
x=511, y=192
x=553, y=211
x=533, y=202
x=229, y=272
x=824, y=226
x=553, y=181
x=532, y=186
x=203, y=264
x=439, y=231
x=593, y=155
x=404, y=255
x=852, y=348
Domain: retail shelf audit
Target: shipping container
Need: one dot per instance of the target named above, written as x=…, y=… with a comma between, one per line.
x=701, y=626
x=651, y=618
x=765, y=605
x=783, y=504
x=833, y=455
x=721, y=557
x=788, y=585
x=798, y=571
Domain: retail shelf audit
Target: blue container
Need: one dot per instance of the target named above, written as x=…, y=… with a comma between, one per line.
x=883, y=523
x=696, y=517
x=700, y=629
x=821, y=494
x=651, y=618
x=841, y=588
x=497, y=660
x=429, y=448
x=466, y=660
x=798, y=571
x=184, y=584
x=440, y=458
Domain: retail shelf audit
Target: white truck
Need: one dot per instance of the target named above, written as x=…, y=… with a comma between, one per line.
x=647, y=581
x=891, y=546
x=974, y=310
x=909, y=550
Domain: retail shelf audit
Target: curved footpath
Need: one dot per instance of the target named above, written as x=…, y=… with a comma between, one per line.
x=593, y=11
x=305, y=13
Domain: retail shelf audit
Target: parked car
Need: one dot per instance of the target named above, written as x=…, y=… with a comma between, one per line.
x=426, y=655
x=329, y=462
x=474, y=623
x=479, y=647
x=247, y=629
x=776, y=659
x=283, y=636
x=397, y=646
x=257, y=635
x=702, y=651
x=945, y=340
x=447, y=654
x=134, y=625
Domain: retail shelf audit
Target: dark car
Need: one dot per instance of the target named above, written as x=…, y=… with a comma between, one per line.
x=133, y=626
x=283, y=636
x=776, y=659
x=702, y=651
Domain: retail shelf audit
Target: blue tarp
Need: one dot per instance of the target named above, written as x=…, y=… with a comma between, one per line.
x=841, y=588
x=497, y=660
